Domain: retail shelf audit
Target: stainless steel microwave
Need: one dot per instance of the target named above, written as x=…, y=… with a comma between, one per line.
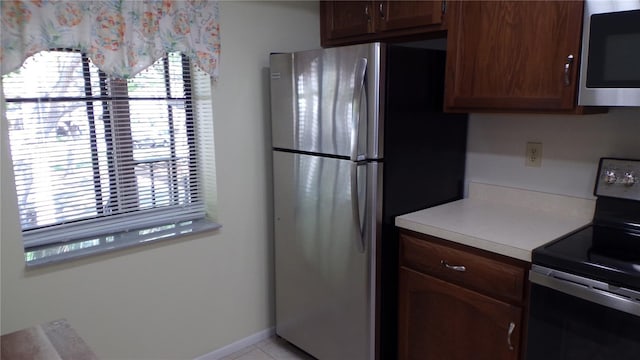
x=610, y=69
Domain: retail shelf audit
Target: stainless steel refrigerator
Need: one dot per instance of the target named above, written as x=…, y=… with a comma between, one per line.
x=358, y=138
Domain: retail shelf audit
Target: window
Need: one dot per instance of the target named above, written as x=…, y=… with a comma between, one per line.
x=94, y=155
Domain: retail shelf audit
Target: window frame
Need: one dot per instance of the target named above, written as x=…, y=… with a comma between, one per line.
x=39, y=254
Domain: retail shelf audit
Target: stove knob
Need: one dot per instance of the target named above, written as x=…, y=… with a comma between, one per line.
x=629, y=179
x=610, y=177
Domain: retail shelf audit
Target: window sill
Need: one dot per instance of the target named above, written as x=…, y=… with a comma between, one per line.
x=72, y=250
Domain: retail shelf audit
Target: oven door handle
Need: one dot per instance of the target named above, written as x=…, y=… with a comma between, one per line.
x=598, y=292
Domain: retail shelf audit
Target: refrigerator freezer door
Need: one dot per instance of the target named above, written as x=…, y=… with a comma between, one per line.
x=319, y=100
x=323, y=277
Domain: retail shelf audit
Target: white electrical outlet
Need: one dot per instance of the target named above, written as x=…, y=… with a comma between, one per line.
x=533, y=156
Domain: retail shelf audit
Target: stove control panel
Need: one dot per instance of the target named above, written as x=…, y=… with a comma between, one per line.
x=619, y=178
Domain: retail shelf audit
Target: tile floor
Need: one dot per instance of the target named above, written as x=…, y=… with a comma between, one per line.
x=273, y=348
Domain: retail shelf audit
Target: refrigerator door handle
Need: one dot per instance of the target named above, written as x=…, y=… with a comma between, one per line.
x=361, y=69
x=355, y=205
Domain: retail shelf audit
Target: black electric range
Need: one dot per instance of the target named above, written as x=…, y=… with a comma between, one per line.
x=604, y=251
x=585, y=287
x=608, y=250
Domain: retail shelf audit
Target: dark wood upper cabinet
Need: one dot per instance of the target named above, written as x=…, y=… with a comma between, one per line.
x=350, y=22
x=513, y=55
x=398, y=15
x=502, y=56
x=345, y=19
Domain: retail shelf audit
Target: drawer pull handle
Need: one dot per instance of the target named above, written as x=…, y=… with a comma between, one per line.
x=460, y=268
x=512, y=327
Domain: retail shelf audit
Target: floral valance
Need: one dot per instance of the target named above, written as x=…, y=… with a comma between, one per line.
x=121, y=37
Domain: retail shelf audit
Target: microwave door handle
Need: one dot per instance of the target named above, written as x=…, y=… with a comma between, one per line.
x=567, y=70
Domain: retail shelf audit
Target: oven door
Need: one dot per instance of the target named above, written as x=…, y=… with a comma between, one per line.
x=571, y=317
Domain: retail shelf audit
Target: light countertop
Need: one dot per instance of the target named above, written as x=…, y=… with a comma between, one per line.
x=503, y=220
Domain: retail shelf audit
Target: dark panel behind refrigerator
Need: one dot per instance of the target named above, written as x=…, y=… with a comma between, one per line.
x=423, y=163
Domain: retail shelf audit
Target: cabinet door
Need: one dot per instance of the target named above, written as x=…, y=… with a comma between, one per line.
x=439, y=320
x=342, y=19
x=398, y=15
x=513, y=55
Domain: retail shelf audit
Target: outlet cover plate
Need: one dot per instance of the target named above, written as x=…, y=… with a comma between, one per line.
x=533, y=156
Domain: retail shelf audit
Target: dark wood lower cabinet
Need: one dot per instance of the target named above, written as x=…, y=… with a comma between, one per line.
x=439, y=320
x=457, y=302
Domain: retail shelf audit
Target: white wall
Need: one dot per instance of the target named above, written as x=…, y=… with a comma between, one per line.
x=181, y=299
x=572, y=146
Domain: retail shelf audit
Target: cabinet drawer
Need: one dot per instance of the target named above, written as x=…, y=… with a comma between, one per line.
x=469, y=269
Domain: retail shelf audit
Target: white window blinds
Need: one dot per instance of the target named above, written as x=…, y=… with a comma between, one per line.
x=94, y=155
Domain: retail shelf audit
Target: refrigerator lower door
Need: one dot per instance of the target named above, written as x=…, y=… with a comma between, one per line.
x=322, y=266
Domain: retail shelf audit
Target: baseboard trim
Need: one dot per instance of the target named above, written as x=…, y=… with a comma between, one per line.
x=238, y=345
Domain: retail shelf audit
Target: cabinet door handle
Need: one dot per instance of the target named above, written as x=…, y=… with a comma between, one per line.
x=381, y=8
x=567, y=70
x=366, y=12
x=460, y=268
x=512, y=327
